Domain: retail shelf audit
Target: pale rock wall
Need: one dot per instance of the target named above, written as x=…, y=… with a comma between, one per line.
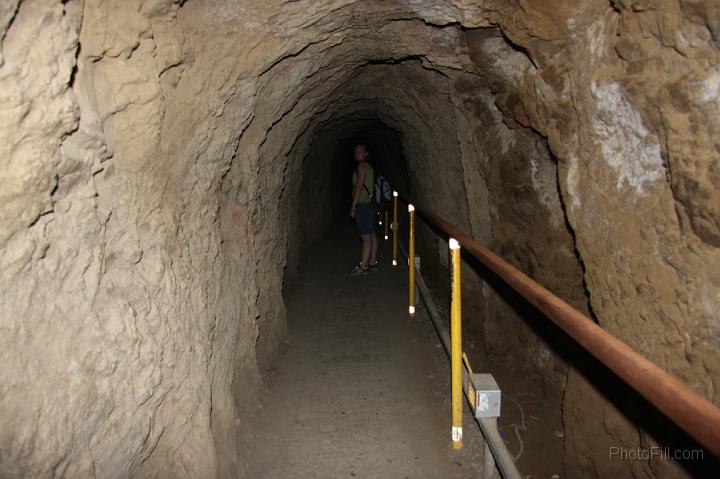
x=131, y=314
x=606, y=93
x=155, y=158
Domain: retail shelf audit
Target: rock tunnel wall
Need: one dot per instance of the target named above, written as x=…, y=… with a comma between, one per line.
x=158, y=158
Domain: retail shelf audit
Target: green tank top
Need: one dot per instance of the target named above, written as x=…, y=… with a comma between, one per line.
x=365, y=196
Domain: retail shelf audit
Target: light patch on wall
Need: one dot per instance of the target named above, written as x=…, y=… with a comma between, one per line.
x=573, y=179
x=543, y=357
x=597, y=39
x=436, y=13
x=711, y=88
x=510, y=62
x=507, y=139
x=711, y=300
x=627, y=146
x=544, y=182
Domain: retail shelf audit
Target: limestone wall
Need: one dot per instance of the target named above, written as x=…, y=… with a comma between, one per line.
x=156, y=157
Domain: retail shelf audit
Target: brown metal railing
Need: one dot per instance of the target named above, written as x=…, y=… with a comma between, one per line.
x=693, y=413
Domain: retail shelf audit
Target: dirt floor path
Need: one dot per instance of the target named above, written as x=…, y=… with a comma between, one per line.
x=360, y=390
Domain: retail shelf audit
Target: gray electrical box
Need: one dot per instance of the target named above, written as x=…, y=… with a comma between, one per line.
x=486, y=395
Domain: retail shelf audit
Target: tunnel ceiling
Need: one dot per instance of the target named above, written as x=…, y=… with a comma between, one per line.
x=160, y=180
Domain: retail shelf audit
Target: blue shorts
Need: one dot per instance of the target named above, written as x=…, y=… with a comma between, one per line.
x=365, y=218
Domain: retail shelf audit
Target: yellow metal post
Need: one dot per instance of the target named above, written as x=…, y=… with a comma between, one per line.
x=456, y=346
x=411, y=262
x=395, y=228
x=387, y=213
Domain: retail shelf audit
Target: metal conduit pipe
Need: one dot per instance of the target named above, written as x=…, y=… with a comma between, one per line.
x=693, y=413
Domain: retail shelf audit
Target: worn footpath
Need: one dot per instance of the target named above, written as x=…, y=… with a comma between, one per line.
x=360, y=390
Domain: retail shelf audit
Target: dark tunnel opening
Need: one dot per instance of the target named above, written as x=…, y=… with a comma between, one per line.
x=325, y=194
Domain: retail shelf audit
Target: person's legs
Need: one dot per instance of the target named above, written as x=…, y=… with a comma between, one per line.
x=367, y=245
x=365, y=223
x=372, y=257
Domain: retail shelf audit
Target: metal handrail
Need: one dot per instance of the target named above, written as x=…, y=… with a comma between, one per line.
x=689, y=410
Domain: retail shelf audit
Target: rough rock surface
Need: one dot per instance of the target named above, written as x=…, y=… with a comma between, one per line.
x=159, y=179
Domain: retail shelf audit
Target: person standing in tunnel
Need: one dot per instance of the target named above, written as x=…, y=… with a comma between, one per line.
x=363, y=211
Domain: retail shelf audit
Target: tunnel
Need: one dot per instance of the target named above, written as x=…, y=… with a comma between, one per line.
x=175, y=194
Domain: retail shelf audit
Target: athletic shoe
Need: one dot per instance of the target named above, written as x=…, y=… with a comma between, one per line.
x=359, y=270
x=374, y=267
